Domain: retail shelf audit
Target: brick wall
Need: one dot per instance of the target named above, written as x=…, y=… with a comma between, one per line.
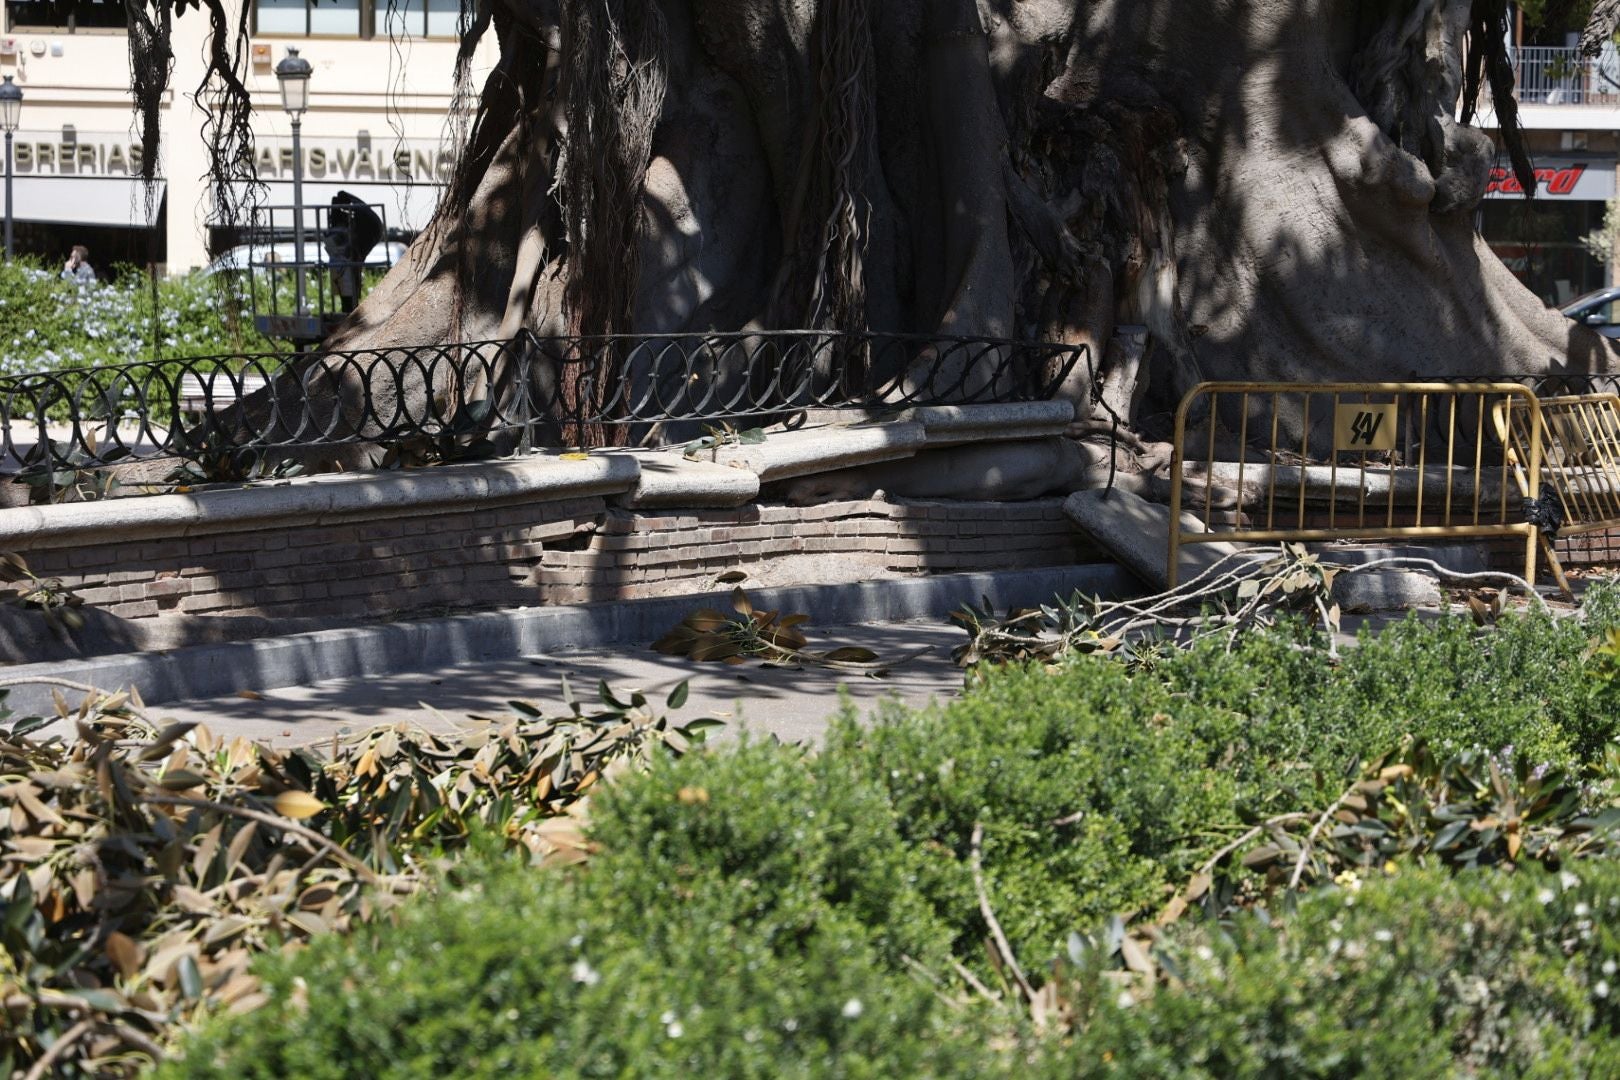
x=552, y=553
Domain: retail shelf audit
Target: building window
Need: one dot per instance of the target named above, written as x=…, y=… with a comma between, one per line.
x=416, y=18
x=1541, y=243
x=305, y=18
x=357, y=18
x=69, y=15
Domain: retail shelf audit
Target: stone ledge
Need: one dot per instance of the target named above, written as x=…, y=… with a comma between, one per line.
x=660, y=478
x=669, y=480
x=949, y=425
x=317, y=500
x=785, y=455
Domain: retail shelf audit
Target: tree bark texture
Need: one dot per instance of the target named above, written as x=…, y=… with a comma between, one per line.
x=1277, y=189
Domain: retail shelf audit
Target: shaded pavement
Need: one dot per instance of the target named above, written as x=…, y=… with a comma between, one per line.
x=794, y=704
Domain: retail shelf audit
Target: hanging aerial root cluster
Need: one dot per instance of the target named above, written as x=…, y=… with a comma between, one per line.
x=151, y=66
x=823, y=284
x=1489, y=61
x=612, y=82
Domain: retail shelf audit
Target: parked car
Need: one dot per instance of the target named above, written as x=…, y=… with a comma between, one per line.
x=1597, y=310
x=381, y=257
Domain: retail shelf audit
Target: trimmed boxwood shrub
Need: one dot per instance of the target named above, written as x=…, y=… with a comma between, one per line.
x=763, y=910
x=757, y=925
x=1423, y=974
x=1143, y=768
x=1091, y=785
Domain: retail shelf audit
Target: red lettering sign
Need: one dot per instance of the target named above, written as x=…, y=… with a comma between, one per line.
x=1554, y=182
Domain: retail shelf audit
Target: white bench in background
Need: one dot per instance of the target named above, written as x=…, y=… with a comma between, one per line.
x=219, y=389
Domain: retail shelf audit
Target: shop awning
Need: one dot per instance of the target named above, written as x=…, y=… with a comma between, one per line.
x=88, y=200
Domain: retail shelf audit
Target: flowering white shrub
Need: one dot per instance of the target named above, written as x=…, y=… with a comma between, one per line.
x=47, y=324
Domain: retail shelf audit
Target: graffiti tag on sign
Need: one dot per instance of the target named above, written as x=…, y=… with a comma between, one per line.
x=1362, y=428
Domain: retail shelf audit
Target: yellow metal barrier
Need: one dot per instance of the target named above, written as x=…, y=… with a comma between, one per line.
x=1580, y=461
x=1355, y=461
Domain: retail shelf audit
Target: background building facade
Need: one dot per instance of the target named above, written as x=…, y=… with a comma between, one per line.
x=380, y=100
x=1570, y=109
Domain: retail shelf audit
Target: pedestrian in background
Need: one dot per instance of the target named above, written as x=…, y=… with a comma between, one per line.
x=78, y=269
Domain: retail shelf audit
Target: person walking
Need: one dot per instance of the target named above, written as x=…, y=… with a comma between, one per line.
x=78, y=269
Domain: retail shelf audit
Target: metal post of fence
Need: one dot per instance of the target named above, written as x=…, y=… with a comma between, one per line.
x=8, y=196
x=525, y=406
x=1177, y=463
x=1533, y=485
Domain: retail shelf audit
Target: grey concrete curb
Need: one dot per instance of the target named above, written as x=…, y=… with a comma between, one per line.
x=207, y=671
x=1458, y=558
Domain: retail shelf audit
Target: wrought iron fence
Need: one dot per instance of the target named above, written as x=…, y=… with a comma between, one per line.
x=1567, y=383
x=534, y=390
x=734, y=376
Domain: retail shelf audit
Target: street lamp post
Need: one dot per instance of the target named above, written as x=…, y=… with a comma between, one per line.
x=11, y=96
x=293, y=74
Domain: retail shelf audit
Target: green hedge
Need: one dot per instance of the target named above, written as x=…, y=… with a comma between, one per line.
x=768, y=911
x=1421, y=975
x=776, y=957
x=47, y=324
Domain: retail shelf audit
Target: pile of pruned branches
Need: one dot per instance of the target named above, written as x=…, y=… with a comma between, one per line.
x=1240, y=594
x=141, y=870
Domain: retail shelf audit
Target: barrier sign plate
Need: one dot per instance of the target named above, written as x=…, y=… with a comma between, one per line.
x=1360, y=428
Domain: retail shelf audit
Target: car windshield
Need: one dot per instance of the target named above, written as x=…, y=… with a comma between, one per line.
x=1596, y=296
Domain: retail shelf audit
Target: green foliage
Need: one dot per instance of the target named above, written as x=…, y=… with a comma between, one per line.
x=1556, y=14
x=722, y=434
x=464, y=438
x=1090, y=784
x=143, y=870
x=750, y=927
x=1248, y=828
x=752, y=634
x=55, y=471
x=1470, y=810
x=784, y=836
x=56, y=603
x=1423, y=974
x=47, y=324
x=213, y=461
x=1236, y=597
x=1527, y=685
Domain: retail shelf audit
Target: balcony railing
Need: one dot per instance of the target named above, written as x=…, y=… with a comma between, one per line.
x=1554, y=76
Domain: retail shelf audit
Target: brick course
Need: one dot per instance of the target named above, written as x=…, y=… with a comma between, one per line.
x=575, y=551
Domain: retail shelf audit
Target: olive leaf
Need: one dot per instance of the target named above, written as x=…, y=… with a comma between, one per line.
x=211, y=850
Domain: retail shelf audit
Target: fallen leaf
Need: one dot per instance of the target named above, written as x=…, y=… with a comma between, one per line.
x=298, y=805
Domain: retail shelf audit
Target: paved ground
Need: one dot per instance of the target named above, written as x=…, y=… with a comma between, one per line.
x=793, y=704
x=790, y=703
x=24, y=436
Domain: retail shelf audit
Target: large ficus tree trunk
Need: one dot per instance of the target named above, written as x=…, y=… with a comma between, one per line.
x=1278, y=189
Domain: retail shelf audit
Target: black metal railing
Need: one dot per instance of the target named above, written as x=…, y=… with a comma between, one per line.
x=1567, y=383
x=534, y=390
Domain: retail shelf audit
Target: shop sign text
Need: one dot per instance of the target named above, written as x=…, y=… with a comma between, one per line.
x=31, y=157
x=349, y=162
x=1578, y=181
